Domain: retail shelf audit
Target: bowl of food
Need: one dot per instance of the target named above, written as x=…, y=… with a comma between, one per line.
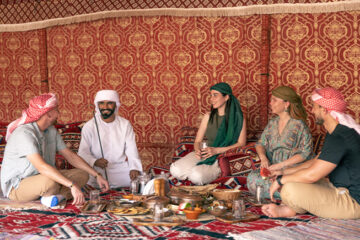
x=217, y=210
x=192, y=213
x=128, y=196
x=226, y=194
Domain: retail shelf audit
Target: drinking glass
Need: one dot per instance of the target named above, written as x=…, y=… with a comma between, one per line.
x=259, y=194
x=134, y=186
x=95, y=196
x=158, y=212
x=238, y=208
x=203, y=145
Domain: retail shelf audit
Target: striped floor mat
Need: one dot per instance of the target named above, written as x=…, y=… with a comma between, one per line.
x=322, y=229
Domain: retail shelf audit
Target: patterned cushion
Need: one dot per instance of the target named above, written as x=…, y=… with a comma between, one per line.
x=236, y=164
x=70, y=127
x=188, y=131
x=185, y=146
x=2, y=135
x=253, y=135
x=231, y=182
x=2, y=149
x=2, y=140
x=72, y=140
x=71, y=134
x=186, y=143
x=247, y=149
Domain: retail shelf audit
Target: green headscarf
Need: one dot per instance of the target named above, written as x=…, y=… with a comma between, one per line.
x=230, y=128
x=296, y=109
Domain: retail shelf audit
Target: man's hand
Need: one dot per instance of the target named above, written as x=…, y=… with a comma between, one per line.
x=134, y=174
x=103, y=184
x=273, y=188
x=78, y=195
x=101, y=162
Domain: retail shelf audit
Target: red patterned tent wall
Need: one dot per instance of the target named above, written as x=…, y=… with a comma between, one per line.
x=164, y=66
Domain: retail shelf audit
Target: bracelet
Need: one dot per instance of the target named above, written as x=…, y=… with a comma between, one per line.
x=72, y=184
x=278, y=179
x=97, y=174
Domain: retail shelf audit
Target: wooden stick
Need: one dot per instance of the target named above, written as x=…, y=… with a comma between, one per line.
x=102, y=153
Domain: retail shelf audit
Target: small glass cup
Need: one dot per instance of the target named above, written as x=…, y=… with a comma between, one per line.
x=259, y=194
x=134, y=187
x=203, y=145
x=158, y=212
x=238, y=208
x=95, y=196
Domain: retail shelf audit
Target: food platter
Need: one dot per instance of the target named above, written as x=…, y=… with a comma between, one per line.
x=131, y=211
x=123, y=203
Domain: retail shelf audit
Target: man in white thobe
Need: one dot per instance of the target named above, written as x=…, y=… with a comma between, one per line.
x=117, y=154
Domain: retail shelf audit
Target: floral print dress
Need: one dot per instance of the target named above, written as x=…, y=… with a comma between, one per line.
x=294, y=139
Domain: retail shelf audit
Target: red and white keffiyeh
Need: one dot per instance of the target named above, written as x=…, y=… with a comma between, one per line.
x=38, y=106
x=334, y=102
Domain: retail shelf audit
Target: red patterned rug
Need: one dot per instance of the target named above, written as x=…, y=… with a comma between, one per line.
x=70, y=223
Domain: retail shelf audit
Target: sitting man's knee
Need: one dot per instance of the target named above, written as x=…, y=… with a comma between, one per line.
x=82, y=177
x=50, y=187
x=289, y=190
x=85, y=176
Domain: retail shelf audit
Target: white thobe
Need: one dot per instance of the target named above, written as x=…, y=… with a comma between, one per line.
x=119, y=148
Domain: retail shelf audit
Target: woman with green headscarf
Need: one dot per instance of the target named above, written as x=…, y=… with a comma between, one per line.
x=285, y=141
x=223, y=128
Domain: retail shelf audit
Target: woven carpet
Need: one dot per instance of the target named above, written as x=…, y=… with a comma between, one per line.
x=70, y=223
x=321, y=229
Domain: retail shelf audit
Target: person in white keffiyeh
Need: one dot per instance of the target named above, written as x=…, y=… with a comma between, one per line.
x=108, y=142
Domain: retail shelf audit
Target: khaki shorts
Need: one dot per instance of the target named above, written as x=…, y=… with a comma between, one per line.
x=31, y=188
x=321, y=199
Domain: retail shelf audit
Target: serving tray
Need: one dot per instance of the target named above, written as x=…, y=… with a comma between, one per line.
x=93, y=208
x=168, y=222
x=229, y=218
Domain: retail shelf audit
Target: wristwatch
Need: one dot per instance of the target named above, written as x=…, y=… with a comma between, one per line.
x=278, y=179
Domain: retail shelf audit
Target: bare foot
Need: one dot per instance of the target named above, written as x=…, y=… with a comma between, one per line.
x=274, y=211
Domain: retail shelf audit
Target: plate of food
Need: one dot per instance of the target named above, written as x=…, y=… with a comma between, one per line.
x=131, y=211
x=124, y=203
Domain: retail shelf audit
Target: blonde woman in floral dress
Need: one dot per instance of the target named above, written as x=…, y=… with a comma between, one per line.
x=285, y=141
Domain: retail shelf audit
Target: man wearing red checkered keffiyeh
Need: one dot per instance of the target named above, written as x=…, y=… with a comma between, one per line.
x=333, y=101
x=38, y=106
x=328, y=185
x=28, y=169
